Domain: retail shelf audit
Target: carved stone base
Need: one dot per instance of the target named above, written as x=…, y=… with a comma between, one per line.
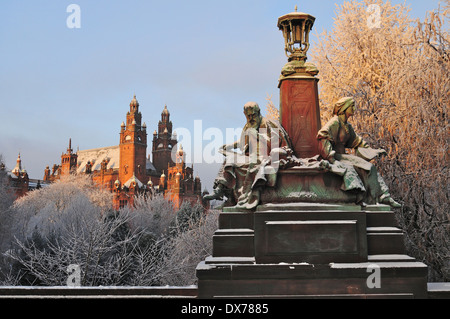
x=307, y=250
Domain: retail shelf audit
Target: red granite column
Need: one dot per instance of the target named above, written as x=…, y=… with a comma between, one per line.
x=300, y=113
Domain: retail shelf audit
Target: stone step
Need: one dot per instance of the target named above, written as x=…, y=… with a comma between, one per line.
x=380, y=219
x=399, y=279
x=238, y=219
x=379, y=230
x=229, y=260
x=385, y=240
x=283, y=207
x=390, y=258
x=238, y=242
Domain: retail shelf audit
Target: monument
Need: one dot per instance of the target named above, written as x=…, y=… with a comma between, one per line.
x=303, y=219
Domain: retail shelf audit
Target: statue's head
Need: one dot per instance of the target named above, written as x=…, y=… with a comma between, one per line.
x=346, y=104
x=253, y=114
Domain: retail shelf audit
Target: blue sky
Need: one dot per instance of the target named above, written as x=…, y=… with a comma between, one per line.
x=204, y=59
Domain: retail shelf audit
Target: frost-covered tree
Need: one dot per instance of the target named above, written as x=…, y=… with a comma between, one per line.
x=6, y=200
x=44, y=209
x=398, y=71
x=272, y=112
x=71, y=223
x=177, y=241
x=189, y=248
x=6, y=192
x=188, y=215
x=155, y=215
x=68, y=222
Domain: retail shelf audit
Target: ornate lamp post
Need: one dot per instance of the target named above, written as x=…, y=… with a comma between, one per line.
x=299, y=100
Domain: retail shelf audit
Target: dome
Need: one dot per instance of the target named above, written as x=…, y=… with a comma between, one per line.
x=134, y=102
x=180, y=150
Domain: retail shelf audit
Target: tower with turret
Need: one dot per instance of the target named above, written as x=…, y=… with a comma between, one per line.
x=164, y=140
x=68, y=160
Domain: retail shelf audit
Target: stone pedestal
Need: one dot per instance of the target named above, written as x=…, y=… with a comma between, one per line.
x=308, y=250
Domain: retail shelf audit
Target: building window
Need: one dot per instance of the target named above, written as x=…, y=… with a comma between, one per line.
x=123, y=203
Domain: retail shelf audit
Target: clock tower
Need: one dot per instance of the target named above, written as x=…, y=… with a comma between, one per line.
x=133, y=146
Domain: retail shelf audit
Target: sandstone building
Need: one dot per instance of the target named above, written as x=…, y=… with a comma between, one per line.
x=19, y=180
x=126, y=170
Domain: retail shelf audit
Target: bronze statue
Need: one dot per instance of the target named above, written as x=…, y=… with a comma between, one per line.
x=264, y=147
x=360, y=175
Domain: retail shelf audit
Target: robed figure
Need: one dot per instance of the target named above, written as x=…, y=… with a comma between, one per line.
x=359, y=175
x=252, y=162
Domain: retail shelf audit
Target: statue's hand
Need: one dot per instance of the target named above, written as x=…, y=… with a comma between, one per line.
x=331, y=157
x=364, y=144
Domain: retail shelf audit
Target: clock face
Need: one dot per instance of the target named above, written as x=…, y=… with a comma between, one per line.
x=128, y=138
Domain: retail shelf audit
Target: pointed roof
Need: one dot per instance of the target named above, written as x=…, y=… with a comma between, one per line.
x=165, y=111
x=18, y=167
x=69, y=149
x=96, y=156
x=134, y=102
x=135, y=180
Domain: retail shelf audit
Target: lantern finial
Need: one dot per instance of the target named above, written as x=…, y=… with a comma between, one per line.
x=296, y=27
